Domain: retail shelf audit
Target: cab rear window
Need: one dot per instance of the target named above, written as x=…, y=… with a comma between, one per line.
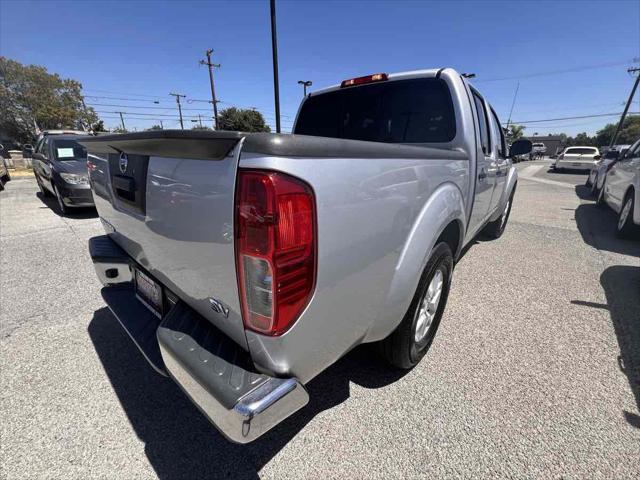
x=402, y=111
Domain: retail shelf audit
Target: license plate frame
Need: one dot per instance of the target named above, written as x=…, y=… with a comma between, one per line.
x=148, y=291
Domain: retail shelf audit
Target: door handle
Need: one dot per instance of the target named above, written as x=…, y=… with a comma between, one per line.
x=482, y=175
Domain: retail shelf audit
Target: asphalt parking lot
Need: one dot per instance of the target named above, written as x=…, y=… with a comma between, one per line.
x=535, y=371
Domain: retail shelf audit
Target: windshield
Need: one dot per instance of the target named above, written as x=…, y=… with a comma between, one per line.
x=581, y=151
x=612, y=154
x=69, y=150
x=402, y=111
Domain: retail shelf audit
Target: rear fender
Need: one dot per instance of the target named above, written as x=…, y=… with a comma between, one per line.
x=444, y=206
x=512, y=178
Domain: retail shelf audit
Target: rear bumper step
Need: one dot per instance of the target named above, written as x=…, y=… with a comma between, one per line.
x=214, y=372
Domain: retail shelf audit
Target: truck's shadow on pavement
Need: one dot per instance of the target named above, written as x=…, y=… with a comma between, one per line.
x=179, y=441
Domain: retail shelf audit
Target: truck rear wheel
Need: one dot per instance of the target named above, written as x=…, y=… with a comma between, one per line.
x=411, y=340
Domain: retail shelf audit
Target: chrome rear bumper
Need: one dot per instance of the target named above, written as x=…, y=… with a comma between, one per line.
x=215, y=373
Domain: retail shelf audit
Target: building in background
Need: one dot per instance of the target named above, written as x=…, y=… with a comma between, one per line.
x=554, y=143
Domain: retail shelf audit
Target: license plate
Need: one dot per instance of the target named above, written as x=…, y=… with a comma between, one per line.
x=148, y=292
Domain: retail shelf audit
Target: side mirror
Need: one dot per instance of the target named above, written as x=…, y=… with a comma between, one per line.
x=520, y=147
x=1, y=147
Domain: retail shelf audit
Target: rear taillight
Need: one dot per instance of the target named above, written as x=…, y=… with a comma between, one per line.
x=275, y=249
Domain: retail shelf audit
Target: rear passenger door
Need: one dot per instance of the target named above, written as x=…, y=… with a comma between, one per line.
x=500, y=160
x=486, y=167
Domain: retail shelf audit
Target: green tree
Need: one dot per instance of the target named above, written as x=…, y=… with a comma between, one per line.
x=30, y=96
x=98, y=126
x=515, y=132
x=198, y=127
x=119, y=130
x=241, y=119
x=155, y=127
x=629, y=133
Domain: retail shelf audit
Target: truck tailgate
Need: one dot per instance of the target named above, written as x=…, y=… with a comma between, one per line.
x=167, y=199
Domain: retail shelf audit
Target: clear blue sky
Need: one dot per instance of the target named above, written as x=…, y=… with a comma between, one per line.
x=138, y=48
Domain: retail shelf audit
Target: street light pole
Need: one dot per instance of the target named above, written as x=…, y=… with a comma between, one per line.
x=177, y=95
x=274, y=51
x=210, y=65
x=305, y=84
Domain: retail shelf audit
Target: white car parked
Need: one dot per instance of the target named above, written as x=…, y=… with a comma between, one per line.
x=599, y=171
x=621, y=191
x=577, y=158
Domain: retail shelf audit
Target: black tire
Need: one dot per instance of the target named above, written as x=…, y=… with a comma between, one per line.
x=61, y=206
x=494, y=230
x=626, y=228
x=595, y=191
x=600, y=198
x=400, y=348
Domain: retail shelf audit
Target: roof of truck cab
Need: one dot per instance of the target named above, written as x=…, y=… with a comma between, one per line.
x=426, y=73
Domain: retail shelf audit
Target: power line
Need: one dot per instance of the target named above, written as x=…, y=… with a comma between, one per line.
x=571, y=118
x=560, y=72
x=144, y=107
x=123, y=99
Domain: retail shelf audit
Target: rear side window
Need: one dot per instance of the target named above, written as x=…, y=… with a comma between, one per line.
x=581, y=151
x=483, y=122
x=502, y=147
x=403, y=111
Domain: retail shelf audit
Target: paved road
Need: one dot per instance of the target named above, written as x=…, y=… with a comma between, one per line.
x=534, y=373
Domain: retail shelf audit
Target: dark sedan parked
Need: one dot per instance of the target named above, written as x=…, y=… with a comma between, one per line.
x=60, y=167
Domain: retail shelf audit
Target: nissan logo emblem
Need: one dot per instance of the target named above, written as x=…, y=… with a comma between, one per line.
x=124, y=162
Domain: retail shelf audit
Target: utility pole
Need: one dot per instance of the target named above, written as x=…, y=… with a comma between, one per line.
x=122, y=120
x=208, y=63
x=305, y=84
x=200, y=120
x=84, y=106
x=161, y=125
x=626, y=108
x=177, y=95
x=512, y=105
x=274, y=51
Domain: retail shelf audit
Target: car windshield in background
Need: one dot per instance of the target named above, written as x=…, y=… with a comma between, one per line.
x=402, y=111
x=69, y=150
x=581, y=151
x=612, y=154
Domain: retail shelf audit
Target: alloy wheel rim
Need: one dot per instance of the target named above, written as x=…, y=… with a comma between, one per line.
x=624, y=214
x=429, y=306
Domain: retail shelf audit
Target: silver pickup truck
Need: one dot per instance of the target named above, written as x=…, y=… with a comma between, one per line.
x=244, y=264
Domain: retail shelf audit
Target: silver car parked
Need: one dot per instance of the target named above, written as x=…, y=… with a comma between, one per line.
x=621, y=191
